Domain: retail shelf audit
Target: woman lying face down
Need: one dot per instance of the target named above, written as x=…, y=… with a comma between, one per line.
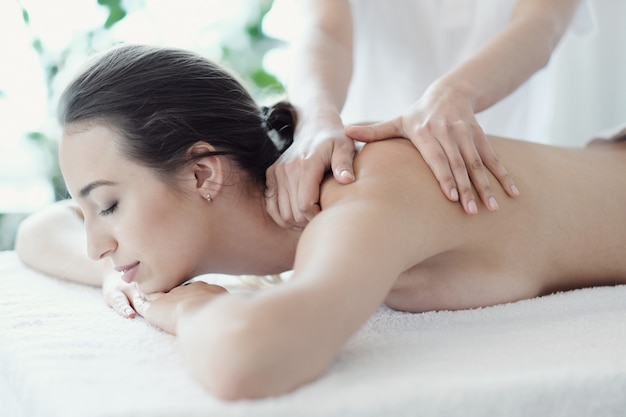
x=165, y=153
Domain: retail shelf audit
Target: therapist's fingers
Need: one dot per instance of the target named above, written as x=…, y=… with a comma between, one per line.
x=306, y=201
x=448, y=166
x=378, y=131
x=455, y=187
x=271, y=194
x=272, y=205
x=293, y=185
x=493, y=164
x=431, y=150
x=342, y=159
x=286, y=204
x=464, y=139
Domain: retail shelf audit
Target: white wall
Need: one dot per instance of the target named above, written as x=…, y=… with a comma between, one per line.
x=590, y=77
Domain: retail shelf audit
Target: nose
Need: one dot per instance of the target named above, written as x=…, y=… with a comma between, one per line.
x=100, y=241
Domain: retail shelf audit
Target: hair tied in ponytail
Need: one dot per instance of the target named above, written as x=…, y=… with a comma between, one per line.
x=279, y=121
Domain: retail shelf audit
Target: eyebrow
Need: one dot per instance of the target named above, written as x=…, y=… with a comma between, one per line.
x=84, y=192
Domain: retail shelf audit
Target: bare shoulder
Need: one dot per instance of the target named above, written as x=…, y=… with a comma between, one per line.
x=393, y=181
x=385, y=171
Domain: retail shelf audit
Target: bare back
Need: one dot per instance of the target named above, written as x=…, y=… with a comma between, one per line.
x=566, y=229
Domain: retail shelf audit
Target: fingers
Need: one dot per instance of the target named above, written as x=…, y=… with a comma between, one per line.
x=493, y=164
x=474, y=164
x=292, y=199
x=271, y=196
x=460, y=157
x=341, y=162
x=141, y=302
x=377, y=131
x=119, y=302
x=445, y=160
x=293, y=182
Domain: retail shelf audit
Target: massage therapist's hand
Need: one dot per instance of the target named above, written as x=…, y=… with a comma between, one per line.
x=293, y=181
x=118, y=293
x=443, y=127
x=165, y=309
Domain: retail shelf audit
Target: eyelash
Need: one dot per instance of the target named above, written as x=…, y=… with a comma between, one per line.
x=108, y=211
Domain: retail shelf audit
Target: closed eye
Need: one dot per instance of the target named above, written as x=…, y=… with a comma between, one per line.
x=108, y=211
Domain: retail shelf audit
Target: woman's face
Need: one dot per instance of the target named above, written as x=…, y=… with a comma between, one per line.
x=152, y=234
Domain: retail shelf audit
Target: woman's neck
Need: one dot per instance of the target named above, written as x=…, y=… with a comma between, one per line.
x=251, y=242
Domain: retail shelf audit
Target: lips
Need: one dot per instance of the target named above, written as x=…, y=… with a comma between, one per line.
x=128, y=271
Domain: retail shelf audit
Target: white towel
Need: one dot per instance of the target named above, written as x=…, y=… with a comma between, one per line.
x=64, y=353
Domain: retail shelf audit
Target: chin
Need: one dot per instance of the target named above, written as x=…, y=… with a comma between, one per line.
x=153, y=287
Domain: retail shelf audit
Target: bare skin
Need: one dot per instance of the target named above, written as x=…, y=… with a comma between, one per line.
x=390, y=237
x=441, y=123
x=555, y=237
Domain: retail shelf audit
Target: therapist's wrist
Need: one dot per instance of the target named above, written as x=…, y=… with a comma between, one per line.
x=455, y=90
x=318, y=119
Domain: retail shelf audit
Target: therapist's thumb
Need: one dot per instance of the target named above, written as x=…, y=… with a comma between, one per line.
x=342, y=160
x=377, y=131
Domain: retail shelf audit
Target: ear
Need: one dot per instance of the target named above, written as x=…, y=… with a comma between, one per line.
x=207, y=170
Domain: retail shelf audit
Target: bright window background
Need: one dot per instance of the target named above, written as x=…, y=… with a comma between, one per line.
x=589, y=77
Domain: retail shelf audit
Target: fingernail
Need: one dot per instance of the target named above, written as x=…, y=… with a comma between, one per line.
x=346, y=174
x=514, y=189
x=493, y=204
x=454, y=194
x=472, y=207
x=129, y=312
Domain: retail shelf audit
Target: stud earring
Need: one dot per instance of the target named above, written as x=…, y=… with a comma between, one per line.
x=208, y=198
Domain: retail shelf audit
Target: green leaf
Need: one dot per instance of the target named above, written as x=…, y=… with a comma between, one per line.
x=37, y=137
x=116, y=12
x=25, y=16
x=38, y=46
x=265, y=80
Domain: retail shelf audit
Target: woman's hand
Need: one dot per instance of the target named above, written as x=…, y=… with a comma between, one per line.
x=118, y=293
x=293, y=181
x=443, y=127
x=165, y=309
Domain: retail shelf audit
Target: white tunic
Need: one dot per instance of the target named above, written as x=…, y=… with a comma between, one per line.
x=401, y=46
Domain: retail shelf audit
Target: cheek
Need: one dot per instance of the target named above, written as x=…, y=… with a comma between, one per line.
x=171, y=240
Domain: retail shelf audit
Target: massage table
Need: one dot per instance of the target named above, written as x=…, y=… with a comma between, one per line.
x=64, y=353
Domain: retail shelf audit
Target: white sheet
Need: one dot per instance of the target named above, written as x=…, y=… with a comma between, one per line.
x=63, y=353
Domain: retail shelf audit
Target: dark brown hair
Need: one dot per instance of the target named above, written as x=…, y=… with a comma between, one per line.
x=163, y=100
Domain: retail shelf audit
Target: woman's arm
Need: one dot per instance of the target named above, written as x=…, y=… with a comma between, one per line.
x=521, y=49
x=442, y=123
x=348, y=258
x=54, y=242
x=317, y=86
x=274, y=341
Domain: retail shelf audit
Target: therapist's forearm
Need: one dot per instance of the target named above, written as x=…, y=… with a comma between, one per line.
x=321, y=74
x=513, y=55
x=322, y=57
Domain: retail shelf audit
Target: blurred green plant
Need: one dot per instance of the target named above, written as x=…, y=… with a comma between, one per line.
x=116, y=12
x=246, y=59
